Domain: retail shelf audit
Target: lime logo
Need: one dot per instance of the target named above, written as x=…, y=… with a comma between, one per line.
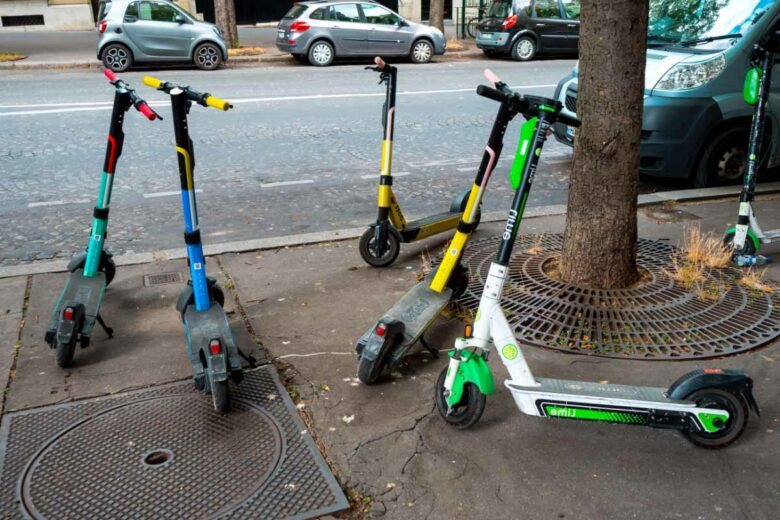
x=479, y=313
x=538, y=152
x=509, y=351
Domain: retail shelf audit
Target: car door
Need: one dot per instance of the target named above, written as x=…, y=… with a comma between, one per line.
x=349, y=31
x=153, y=28
x=571, y=9
x=548, y=23
x=386, y=36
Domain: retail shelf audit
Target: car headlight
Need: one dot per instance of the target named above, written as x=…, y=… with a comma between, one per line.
x=576, y=70
x=685, y=76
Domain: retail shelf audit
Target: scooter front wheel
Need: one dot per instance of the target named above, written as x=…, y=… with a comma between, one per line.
x=721, y=399
x=728, y=243
x=467, y=412
x=220, y=395
x=369, y=249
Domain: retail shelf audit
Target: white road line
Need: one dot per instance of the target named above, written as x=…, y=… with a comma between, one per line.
x=285, y=183
x=374, y=176
x=239, y=101
x=166, y=194
x=56, y=203
x=469, y=169
x=74, y=104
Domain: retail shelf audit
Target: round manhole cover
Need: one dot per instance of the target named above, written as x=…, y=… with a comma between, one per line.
x=168, y=457
x=658, y=320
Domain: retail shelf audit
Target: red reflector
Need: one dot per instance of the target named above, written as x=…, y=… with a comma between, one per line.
x=68, y=313
x=215, y=347
x=102, y=27
x=380, y=330
x=509, y=22
x=300, y=26
x=291, y=42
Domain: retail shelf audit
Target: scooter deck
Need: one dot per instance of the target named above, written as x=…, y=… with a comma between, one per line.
x=439, y=217
x=590, y=389
x=81, y=290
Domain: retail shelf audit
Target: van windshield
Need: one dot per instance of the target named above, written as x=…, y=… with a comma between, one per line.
x=675, y=21
x=500, y=9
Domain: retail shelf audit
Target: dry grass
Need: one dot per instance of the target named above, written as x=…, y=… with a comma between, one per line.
x=705, y=250
x=754, y=280
x=246, y=51
x=426, y=266
x=453, y=44
x=536, y=246
x=11, y=56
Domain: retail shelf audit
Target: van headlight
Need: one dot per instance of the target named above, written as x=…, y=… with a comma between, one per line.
x=685, y=76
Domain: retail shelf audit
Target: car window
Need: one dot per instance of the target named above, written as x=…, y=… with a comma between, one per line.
x=547, y=9
x=500, y=9
x=345, y=13
x=132, y=12
x=320, y=14
x=156, y=12
x=379, y=15
x=103, y=9
x=295, y=12
x=572, y=9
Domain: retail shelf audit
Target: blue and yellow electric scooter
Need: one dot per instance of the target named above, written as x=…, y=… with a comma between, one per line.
x=210, y=341
x=78, y=307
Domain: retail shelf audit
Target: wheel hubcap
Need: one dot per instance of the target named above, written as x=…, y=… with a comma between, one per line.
x=207, y=56
x=116, y=58
x=422, y=52
x=732, y=164
x=525, y=49
x=321, y=53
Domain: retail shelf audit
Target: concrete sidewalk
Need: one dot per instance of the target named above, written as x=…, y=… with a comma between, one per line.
x=302, y=308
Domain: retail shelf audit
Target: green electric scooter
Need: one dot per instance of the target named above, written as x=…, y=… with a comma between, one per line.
x=78, y=307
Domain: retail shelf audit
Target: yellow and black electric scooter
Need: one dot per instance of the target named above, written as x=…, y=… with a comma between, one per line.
x=381, y=243
x=383, y=346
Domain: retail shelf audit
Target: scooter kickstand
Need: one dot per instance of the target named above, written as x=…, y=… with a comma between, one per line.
x=433, y=351
x=109, y=330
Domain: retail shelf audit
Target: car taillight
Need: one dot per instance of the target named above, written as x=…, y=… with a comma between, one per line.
x=215, y=347
x=102, y=27
x=509, y=22
x=300, y=26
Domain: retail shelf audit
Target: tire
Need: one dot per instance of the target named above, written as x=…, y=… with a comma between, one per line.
x=116, y=57
x=321, y=53
x=106, y=266
x=524, y=49
x=66, y=351
x=220, y=396
x=459, y=281
x=422, y=51
x=471, y=28
x=734, y=404
x=369, y=371
x=207, y=56
x=367, y=249
x=724, y=159
x=468, y=411
x=216, y=295
x=750, y=247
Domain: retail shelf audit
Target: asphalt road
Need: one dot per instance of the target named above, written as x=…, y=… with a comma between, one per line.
x=300, y=153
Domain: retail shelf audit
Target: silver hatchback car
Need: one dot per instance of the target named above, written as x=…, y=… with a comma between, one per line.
x=134, y=31
x=318, y=31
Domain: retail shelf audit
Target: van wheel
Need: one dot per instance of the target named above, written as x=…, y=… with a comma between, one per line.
x=724, y=159
x=422, y=51
x=321, y=54
x=117, y=57
x=207, y=56
x=524, y=49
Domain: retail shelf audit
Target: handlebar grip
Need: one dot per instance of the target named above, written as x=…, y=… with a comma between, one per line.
x=380, y=62
x=221, y=104
x=491, y=77
x=491, y=93
x=152, y=82
x=110, y=75
x=145, y=110
x=569, y=120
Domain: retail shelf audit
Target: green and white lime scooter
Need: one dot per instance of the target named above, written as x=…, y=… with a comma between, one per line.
x=709, y=406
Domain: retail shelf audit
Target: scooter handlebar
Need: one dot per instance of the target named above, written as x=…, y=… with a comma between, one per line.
x=380, y=62
x=110, y=75
x=144, y=108
x=205, y=99
x=492, y=77
x=491, y=93
x=569, y=120
x=221, y=104
x=152, y=82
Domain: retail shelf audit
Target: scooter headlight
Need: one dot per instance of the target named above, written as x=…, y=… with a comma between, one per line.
x=685, y=76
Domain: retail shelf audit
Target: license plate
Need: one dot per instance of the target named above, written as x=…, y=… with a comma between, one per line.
x=570, y=132
x=485, y=35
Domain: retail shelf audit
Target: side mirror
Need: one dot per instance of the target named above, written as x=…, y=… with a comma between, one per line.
x=403, y=23
x=180, y=19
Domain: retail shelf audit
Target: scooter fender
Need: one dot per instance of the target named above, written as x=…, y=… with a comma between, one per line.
x=67, y=328
x=458, y=204
x=370, y=344
x=77, y=261
x=217, y=364
x=727, y=378
x=472, y=369
x=750, y=234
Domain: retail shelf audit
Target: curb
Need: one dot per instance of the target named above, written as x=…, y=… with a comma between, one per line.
x=305, y=239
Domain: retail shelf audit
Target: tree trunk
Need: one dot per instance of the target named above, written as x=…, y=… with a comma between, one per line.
x=436, y=14
x=599, y=247
x=225, y=17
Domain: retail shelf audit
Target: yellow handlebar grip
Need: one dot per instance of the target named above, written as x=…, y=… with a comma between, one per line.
x=218, y=103
x=152, y=82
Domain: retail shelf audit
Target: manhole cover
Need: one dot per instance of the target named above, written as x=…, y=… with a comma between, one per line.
x=151, y=280
x=659, y=320
x=164, y=453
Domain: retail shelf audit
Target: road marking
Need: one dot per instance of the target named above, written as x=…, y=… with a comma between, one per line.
x=98, y=106
x=56, y=203
x=374, y=176
x=166, y=194
x=285, y=183
x=469, y=169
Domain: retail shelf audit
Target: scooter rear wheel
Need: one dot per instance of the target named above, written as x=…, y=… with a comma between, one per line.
x=467, y=412
x=368, y=248
x=65, y=351
x=370, y=370
x=722, y=399
x=220, y=395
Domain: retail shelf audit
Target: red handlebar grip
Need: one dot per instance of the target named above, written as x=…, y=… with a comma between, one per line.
x=145, y=110
x=380, y=62
x=110, y=75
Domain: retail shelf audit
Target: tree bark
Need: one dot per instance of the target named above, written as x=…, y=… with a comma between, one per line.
x=599, y=248
x=436, y=14
x=225, y=17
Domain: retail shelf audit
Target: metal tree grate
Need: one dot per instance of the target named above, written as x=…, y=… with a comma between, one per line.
x=165, y=453
x=659, y=320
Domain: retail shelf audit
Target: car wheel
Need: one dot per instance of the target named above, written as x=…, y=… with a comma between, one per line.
x=207, y=56
x=524, y=49
x=724, y=159
x=422, y=51
x=117, y=57
x=321, y=54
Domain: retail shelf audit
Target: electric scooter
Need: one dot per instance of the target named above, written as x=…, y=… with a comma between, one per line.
x=380, y=244
x=211, y=345
x=709, y=406
x=747, y=237
x=78, y=307
x=384, y=345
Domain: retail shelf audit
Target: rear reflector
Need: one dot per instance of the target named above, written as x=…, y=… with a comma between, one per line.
x=68, y=313
x=215, y=347
x=380, y=330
